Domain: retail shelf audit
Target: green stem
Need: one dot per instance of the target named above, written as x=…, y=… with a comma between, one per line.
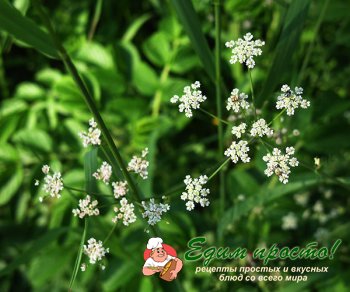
x=217, y=6
x=157, y=100
x=80, y=253
x=90, y=103
x=218, y=169
x=214, y=117
x=277, y=116
x=84, y=191
x=158, y=95
x=110, y=233
x=252, y=90
x=95, y=19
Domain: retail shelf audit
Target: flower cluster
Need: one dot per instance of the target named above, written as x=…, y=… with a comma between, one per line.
x=195, y=192
x=237, y=101
x=92, y=137
x=53, y=184
x=291, y=100
x=86, y=208
x=139, y=165
x=104, y=173
x=238, y=151
x=154, y=211
x=120, y=189
x=279, y=164
x=95, y=250
x=125, y=212
x=260, y=128
x=239, y=130
x=191, y=99
x=243, y=50
x=289, y=221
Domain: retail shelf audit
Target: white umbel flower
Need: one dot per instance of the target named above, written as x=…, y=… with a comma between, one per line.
x=86, y=208
x=120, y=189
x=104, y=173
x=125, y=212
x=239, y=130
x=279, y=164
x=291, y=100
x=92, y=137
x=95, y=250
x=195, y=192
x=260, y=128
x=243, y=50
x=237, y=101
x=53, y=184
x=139, y=165
x=154, y=211
x=45, y=169
x=289, y=221
x=190, y=100
x=238, y=151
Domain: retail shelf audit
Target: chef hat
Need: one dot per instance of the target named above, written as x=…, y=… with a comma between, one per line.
x=154, y=242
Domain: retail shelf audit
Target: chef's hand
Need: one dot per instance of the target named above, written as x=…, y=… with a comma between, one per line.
x=159, y=269
x=173, y=275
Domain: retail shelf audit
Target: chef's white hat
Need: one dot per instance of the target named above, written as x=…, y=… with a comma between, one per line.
x=154, y=242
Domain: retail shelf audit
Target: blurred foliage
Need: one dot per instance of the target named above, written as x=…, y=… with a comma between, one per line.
x=134, y=56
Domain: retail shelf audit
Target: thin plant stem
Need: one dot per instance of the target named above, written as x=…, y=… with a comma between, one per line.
x=80, y=253
x=217, y=6
x=110, y=233
x=157, y=99
x=218, y=169
x=277, y=116
x=214, y=117
x=252, y=90
x=84, y=191
x=95, y=19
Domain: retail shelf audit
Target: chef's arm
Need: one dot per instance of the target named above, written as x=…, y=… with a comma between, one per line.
x=147, y=271
x=179, y=265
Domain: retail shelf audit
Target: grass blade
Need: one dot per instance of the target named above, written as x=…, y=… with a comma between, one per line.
x=192, y=26
x=286, y=46
x=25, y=30
x=90, y=166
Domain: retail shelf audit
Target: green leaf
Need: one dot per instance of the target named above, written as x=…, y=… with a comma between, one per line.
x=29, y=91
x=121, y=276
x=25, y=30
x=192, y=26
x=135, y=27
x=288, y=44
x=36, y=246
x=145, y=78
x=34, y=139
x=14, y=178
x=157, y=49
x=95, y=54
x=55, y=260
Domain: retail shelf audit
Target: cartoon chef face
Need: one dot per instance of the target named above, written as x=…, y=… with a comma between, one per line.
x=159, y=254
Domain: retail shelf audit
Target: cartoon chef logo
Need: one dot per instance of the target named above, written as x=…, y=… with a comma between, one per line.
x=161, y=258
